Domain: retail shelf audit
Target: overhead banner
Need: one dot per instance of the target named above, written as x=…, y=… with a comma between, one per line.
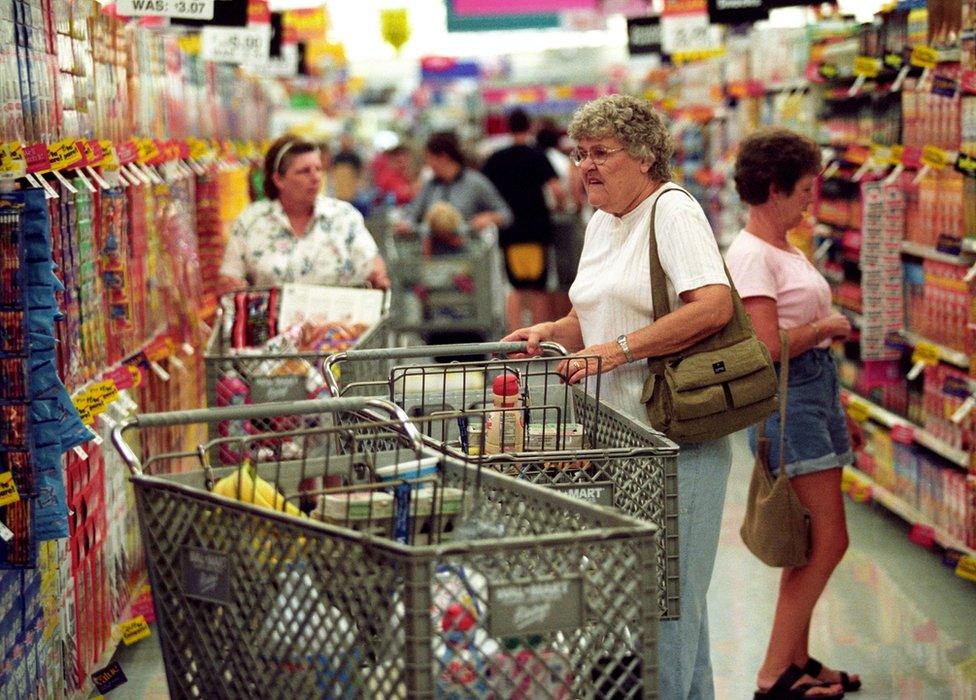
x=737, y=11
x=644, y=35
x=469, y=8
x=457, y=22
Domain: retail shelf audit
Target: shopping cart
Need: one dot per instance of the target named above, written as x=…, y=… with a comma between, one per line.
x=606, y=458
x=247, y=376
x=429, y=578
x=451, y=292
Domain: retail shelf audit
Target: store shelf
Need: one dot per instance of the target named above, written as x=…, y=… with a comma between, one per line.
x=969, y=245
x=921, y=436
x=929, y=253
x=905, y=511
x=113, y=645
x=953, y=357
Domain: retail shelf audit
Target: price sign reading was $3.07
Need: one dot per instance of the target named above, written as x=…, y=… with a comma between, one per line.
x=235, y=44
x=185, y=9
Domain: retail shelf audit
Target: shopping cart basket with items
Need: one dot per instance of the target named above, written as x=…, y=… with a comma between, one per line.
x=444, y=283
x=402, y=572
x=267, y=343
x=547, y=431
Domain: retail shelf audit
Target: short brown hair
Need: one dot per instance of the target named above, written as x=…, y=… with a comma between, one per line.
x=280, y=154
x=773, y=156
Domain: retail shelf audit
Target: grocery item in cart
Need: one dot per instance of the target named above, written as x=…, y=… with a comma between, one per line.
x=505, y=426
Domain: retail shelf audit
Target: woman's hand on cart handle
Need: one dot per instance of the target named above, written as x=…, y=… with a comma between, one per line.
x=533, y=336
x=378, y=277
x=591, y=361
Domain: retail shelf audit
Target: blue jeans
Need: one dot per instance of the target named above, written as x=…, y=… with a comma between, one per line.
x=685, y=665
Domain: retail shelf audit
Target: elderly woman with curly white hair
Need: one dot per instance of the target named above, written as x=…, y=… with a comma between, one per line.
x=624, y=152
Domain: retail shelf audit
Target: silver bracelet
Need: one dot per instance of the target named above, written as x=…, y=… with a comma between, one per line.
x=622, y=342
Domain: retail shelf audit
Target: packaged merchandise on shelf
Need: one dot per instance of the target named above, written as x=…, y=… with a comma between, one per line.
x=882, y=302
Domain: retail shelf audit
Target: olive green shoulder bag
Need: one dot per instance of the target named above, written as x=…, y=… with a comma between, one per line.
x=717, y=386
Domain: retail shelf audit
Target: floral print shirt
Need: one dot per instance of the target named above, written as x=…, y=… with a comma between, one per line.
x=336, y=250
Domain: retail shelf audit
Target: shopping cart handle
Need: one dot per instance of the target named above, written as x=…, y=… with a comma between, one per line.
x=456, y=350
x=375, y=407
x=404, y=353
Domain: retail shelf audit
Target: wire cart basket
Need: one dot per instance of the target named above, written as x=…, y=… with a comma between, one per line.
x=234, y=377
x=416, y=575
x=572, y=441
x=451, y=292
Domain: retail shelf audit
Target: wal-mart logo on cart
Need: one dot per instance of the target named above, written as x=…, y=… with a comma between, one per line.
x=516, y=609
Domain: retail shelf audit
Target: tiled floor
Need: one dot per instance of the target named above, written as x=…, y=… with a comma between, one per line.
x=892, y=613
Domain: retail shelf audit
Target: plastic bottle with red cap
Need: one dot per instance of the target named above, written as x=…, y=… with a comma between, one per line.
x=505, y=425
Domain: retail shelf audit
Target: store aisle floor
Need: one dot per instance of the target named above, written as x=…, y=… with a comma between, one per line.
x=892, y=613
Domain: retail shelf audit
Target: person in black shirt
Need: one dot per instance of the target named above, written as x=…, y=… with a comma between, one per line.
x=520, y=172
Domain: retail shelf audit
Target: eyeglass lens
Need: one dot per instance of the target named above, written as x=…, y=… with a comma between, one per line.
x=598, y=154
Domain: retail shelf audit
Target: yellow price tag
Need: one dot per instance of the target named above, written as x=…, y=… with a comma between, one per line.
x=867, y=66
x=897, y=153
x=95, y=403
x=148, y=150
x=64, y=154
x=134, y=630
x=880, y=154
x=199, y=149
x=81, y=405
x=858, y=410
x=105, y=390
x=924, y=56
x=12, y=159
x=966, y=568
x=934, y=157
x=926, y=353
x=109, y=158
x=8, y=489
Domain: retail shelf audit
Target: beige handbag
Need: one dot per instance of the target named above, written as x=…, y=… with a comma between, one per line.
x=777, y=526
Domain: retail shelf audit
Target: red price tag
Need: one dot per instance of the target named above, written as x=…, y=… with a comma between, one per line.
x=922, y=535
x=903, y=434
x=37, y=157
x=127, y=152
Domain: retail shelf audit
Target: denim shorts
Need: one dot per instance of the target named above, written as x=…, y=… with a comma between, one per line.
x=816, y=426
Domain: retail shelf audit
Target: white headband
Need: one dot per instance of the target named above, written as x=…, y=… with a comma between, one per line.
x=281, y=154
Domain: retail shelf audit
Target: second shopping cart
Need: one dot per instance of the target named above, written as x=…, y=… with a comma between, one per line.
x=545, y=431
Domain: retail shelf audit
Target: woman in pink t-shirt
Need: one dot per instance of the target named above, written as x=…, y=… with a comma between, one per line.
x=781, y=290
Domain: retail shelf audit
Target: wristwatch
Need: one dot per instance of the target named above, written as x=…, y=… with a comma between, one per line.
x=622, y=342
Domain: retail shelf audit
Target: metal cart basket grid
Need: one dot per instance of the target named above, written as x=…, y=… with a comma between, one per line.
x=268, y=377
x=620, y=462
x=456, y=291
x=531, y=593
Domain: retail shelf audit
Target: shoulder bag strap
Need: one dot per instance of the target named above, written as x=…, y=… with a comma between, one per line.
x=738, y=327
x=784, y=375
x=659, y=282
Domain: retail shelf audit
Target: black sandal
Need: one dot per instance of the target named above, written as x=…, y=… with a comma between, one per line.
x=783, y=688
x=814, y=668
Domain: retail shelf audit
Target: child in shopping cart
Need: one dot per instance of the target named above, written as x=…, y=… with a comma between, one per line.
x=444, y=231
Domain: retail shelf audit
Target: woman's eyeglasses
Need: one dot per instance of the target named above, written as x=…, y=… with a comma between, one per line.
x=598, y=154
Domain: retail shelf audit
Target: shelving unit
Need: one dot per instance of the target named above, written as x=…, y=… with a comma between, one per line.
x=923, y=251
x=891, y=502
x=919, y=435
x=956, y=358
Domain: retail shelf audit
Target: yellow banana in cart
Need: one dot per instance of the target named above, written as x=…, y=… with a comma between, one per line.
x=247, y=486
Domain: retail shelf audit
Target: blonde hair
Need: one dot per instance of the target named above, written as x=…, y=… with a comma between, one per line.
x=443, y=219
x=632, y=121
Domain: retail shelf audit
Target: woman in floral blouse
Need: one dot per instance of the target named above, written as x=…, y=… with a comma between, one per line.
x=298, y=234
